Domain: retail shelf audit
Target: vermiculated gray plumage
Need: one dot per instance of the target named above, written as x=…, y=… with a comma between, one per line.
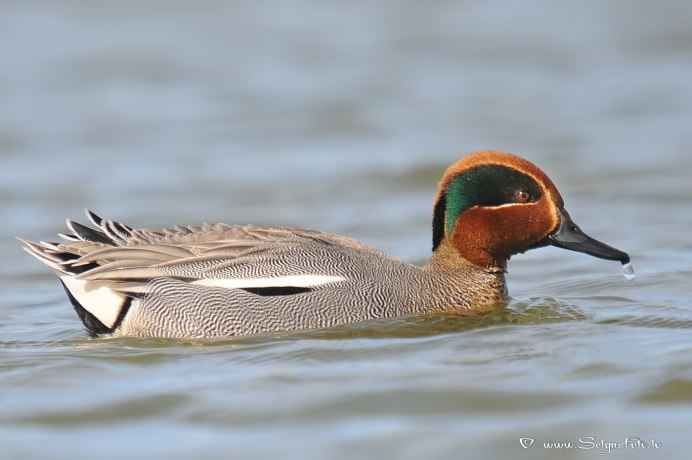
x=159, y=276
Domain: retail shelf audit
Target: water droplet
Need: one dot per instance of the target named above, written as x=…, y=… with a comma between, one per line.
x=628, y=271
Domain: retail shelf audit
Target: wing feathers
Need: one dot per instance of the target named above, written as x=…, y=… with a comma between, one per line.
x=85, y=233
x=116, y=253
x=124, y=274
x=306, y=281
x=150, y=254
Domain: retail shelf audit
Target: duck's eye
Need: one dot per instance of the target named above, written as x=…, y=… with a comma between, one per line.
x=522, y=196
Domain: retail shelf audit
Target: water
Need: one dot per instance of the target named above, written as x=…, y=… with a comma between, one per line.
x=628, y=271
x=343, y=118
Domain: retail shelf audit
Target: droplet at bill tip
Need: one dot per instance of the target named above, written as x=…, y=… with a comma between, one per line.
x=628, y=271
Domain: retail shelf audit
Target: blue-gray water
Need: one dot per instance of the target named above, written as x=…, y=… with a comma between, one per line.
x=342, y=117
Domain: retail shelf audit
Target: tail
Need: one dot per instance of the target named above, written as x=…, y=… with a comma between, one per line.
x=99, y=304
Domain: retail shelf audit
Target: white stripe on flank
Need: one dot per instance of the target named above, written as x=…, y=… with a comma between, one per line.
x=282, y=281
x=96, y=298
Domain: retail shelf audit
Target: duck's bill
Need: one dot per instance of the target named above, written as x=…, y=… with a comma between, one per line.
x=569, y=236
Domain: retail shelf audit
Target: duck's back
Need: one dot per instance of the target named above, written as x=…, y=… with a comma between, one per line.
x=224, y=280
x=271, y=279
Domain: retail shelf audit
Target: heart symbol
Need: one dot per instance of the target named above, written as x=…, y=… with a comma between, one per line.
x=526, y=442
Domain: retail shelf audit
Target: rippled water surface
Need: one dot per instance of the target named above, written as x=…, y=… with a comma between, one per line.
x=342, y=118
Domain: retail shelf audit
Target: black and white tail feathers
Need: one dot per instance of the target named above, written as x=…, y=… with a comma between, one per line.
x=100, y=307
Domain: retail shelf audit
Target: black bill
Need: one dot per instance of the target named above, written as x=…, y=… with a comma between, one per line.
x=569, y=236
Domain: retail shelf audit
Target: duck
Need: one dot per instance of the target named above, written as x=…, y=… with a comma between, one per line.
x=219, y=280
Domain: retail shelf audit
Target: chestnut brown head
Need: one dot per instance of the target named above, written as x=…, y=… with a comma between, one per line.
x=492, y=205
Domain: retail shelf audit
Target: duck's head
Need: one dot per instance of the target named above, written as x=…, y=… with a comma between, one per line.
x=492, y=205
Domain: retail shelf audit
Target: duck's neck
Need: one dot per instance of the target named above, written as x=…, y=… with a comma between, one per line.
x=446, y=257
x=468, y=287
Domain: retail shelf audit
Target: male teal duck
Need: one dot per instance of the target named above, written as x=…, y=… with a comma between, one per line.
x=216, y=281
